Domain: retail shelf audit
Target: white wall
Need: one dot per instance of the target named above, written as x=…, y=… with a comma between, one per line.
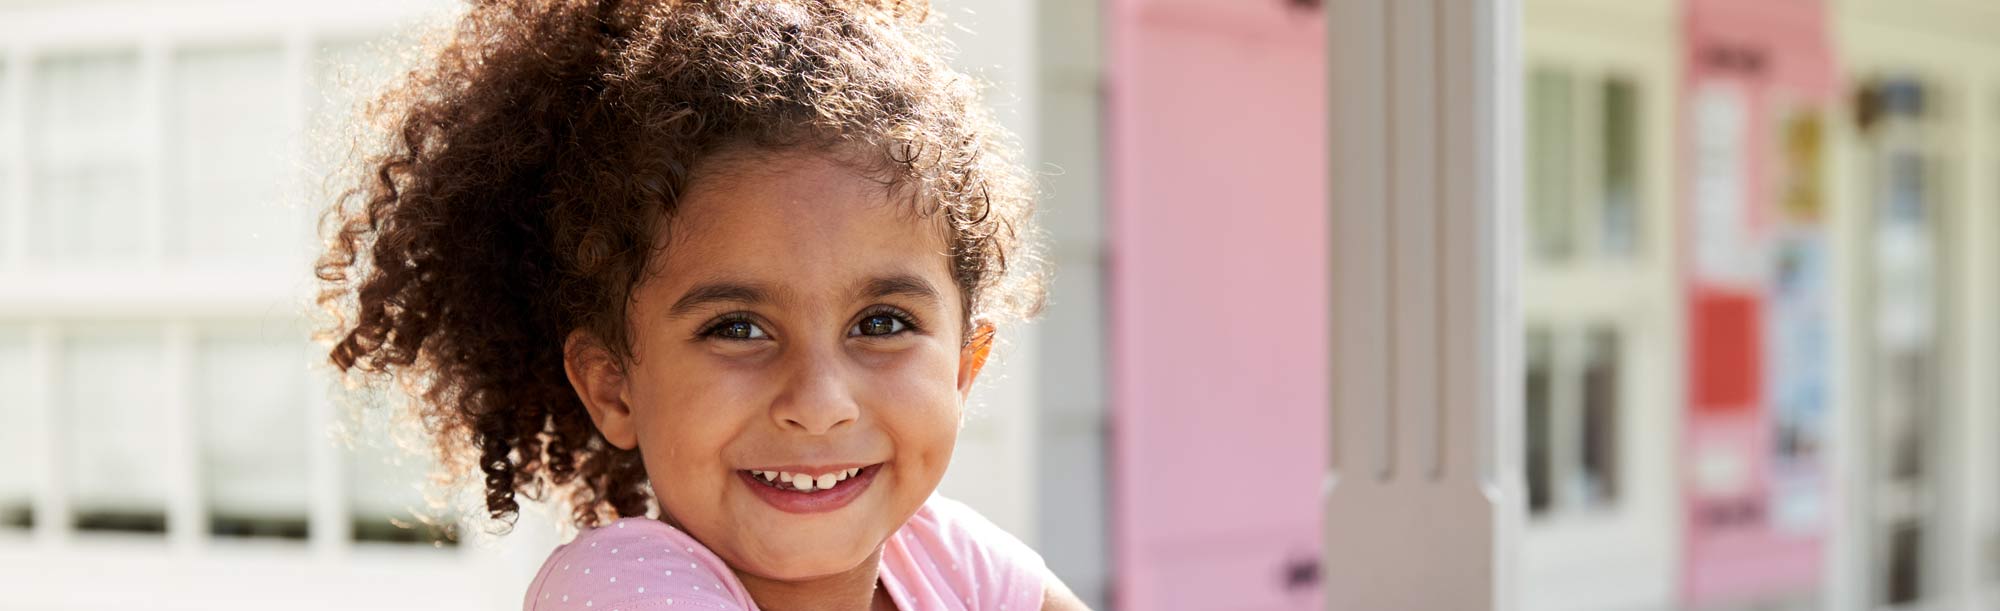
x=993, y=467
x=1074, y=475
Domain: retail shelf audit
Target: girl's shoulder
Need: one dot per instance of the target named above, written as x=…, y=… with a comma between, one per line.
x=948, y=556
x=634, y=564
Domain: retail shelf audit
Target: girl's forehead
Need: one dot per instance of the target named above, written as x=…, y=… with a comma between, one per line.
x=800, y=221
x=797, y=188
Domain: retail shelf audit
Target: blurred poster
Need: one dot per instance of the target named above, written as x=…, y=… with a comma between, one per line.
x=1758, y=85
x=1721, y=208
x=1798, y=337
x=1798, y=352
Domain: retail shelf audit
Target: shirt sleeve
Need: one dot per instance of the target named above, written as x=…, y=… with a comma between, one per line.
x=951, y=552
x=634, y=564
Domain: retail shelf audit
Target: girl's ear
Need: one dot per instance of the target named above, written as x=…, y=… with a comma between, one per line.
x=600, y=382
x=972, y=357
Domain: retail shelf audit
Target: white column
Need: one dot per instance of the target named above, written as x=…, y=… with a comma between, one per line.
x=52, y=519
x=1971, y=250
x=187, y=513
x=1424, y=503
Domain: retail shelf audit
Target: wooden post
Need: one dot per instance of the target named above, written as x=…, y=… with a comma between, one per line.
x=1423, y=502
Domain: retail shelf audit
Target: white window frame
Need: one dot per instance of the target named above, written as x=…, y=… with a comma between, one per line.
x=1627, y=553
x=1950, y=43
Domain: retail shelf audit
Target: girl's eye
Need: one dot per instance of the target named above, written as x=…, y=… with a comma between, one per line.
x=879, y=325
x=736, y=329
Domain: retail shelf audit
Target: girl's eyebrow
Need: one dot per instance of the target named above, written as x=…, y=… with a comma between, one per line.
x=902, y=285
x=899, y=285
x=718, y=292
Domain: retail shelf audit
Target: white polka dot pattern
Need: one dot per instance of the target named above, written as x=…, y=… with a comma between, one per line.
x=592, y=573
x=945, y=558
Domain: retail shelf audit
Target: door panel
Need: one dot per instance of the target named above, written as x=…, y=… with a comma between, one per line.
x=1218, y=282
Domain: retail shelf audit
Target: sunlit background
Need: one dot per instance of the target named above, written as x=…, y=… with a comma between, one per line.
x=1760, y=287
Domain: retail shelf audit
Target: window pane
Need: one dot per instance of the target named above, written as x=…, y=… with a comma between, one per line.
x=1602, y=376
x=112, y=382
x=84, y=147
x=7, y=219
x=388, y=472
x=1537, y=405
x=226, y=162
x=17, y=447
x=1551, y=144
x=249, y=392
x=1619, y=212
x=344, y=76
x=7, y=216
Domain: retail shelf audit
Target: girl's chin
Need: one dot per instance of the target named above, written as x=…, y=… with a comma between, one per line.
x=814, y=550
x=808, y=557
x=806, y=562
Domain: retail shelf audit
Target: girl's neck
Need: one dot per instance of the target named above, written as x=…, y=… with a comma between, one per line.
x=853, y=590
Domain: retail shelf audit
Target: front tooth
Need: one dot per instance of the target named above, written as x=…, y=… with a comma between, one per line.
x=826, y=481
x=802, y=481
x=840, y=475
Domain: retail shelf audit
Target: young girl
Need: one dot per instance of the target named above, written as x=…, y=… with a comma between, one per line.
x=717, y=275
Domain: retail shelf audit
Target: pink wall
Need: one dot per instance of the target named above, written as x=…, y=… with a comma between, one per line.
x=1218, y=281
x=1774, y=57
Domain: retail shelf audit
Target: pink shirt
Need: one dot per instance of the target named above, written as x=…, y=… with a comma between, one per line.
x=946, y=558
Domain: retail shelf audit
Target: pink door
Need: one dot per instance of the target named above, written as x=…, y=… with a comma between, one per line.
x=1218, y=280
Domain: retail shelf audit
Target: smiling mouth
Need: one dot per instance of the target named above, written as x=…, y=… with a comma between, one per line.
x=801, y=489
x=807, y=483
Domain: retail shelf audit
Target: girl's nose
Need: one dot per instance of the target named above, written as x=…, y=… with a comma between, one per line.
x=817, y=397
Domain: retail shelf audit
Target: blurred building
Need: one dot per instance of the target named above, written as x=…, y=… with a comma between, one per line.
x=1760, y=278
x=1758, y=282
x=1759, y=285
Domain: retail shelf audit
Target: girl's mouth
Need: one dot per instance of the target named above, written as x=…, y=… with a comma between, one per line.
x=804, y=482
x=808, y=489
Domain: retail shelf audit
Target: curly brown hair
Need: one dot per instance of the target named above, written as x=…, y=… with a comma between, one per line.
x=523, y=172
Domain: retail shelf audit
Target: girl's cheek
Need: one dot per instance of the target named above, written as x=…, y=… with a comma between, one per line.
x=923, y=393
x=916, y=359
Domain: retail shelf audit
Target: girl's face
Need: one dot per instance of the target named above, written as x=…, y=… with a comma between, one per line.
x=801, y=329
